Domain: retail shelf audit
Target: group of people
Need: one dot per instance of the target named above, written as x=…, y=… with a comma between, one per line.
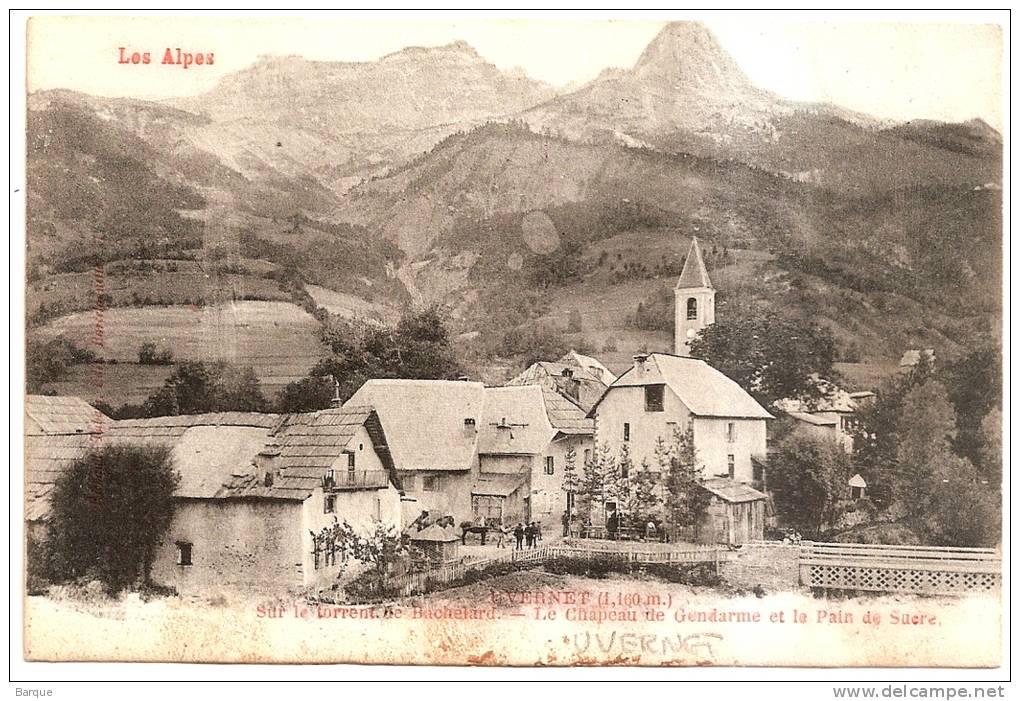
x=525, y=534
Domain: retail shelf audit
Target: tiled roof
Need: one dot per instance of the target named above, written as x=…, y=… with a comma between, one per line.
x=304, y=446
x=694, y=273
x=565, y=416
x=66, y=415
x=589, y=388
x=704, y=390
x=731, y=491
x=47, y=457
x=592, y=365
x=424, y=420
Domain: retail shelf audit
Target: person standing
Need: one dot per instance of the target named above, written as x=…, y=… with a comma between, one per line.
x=519, y=536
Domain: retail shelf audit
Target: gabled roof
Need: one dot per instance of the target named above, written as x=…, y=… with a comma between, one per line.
x=167, y=429
x=304, y=446
x=565, y=416
x=514, y=422
x=592, y=365
x=815, y=419
x=424, y=420
x=524, y=419
x=62, y=415
x=589, y=388
x=694, y=273
x=732, y=491
x=704, y=390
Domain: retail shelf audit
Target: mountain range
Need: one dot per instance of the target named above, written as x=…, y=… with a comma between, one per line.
x=432, y=175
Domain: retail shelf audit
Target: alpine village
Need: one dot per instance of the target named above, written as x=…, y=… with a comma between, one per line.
x=667, y=322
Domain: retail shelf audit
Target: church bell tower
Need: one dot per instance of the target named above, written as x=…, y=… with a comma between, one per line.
x=694, y=304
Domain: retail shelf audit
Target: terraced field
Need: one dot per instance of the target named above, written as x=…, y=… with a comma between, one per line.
x=278, y=339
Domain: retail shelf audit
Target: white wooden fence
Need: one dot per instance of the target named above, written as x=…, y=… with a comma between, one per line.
x=418, y=582
x=900, y=568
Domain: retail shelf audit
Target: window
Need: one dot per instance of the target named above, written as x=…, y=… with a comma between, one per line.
x=550, y=466
x=692, y=308
x=431, y=483
x=469, y=428
x=587, y=455
x=626, y=433
x=731, y=466
x=731, y=432
x=653, y=397
x=183, y=553
x=329, y=504
x=350, y=461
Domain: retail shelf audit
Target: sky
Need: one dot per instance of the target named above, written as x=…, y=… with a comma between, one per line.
x=951, y=72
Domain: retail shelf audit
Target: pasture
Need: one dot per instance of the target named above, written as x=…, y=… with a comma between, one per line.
x=278, y=339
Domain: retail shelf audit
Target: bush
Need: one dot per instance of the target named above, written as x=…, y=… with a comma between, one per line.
x=109, y=510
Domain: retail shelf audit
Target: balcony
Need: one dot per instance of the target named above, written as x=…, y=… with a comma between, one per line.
x=342, y=480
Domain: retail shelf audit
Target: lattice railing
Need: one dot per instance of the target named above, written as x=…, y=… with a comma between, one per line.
x=918, y=570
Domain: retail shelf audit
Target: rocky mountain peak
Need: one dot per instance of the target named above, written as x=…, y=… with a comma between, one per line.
x=686, y=55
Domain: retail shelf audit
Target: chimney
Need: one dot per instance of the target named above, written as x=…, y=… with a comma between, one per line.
x=568, y=373
x=336, y=402
x=639, y=360
x=463, y=378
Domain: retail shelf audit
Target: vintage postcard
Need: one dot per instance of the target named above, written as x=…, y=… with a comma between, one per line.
x=514, y=341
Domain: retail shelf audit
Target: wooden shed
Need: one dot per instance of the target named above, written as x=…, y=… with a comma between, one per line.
x=736, y=514
x=440, y=545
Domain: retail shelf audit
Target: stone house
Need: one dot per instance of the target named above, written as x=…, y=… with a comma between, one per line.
x=582, y=383
x=527, y=433
x=432, y=428
x=256, y=491
x=664, y=392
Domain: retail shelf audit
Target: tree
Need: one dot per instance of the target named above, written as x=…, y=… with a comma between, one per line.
x=49, y=361
x=643, y=495
x=571, y=479
x=593, y=485
x=686, y=501
x=962, y=512
x=808, y=477
x=990, y=452
x=310, y=393
x=771, y=356
x=109, y=511
x=417, y=347
x=925, y=431
x=196, y=387
x=149, y=354
x=974, y=384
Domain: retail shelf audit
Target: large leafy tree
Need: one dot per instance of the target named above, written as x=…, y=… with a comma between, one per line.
x=197, y=387
x=417, y=347
x=109, y=510
x=808, y=476
x=770, y=355
x=925, y=431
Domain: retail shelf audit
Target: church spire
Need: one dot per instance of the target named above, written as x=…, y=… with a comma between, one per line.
x=694, y=300
x=694, y=273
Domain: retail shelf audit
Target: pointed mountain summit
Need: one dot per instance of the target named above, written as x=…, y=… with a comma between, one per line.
x=686, y=56
x=694, y=274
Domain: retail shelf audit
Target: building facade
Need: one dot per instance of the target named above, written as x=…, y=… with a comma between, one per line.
x=663, y=393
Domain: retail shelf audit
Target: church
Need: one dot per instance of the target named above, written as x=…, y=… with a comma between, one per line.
x=663, y=392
